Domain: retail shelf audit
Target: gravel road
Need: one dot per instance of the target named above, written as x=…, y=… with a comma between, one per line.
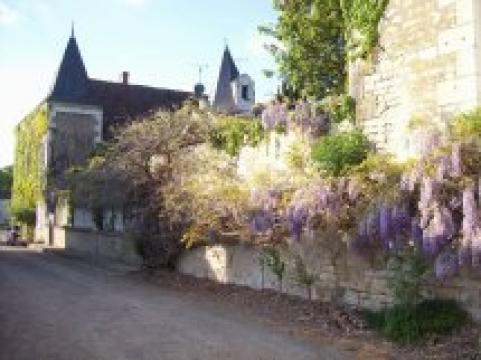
x=54, y=308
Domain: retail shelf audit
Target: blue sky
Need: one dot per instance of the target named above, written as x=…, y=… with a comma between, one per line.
x=158, y=41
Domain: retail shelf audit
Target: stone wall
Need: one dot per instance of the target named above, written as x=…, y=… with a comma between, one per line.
x=4, y=211
x=96, y=245
x=339, y=277
x=427, y=64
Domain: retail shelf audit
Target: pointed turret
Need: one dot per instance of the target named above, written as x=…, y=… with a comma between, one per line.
x=224, y=99
x=72, y=84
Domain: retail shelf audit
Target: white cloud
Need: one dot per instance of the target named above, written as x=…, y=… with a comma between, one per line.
x=8, y=16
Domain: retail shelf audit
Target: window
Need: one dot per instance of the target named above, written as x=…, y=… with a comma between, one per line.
x=245, y=92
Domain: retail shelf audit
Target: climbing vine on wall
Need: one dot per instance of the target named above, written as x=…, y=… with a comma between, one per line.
x=313, y=40
x=27, y=169
x=361, y=23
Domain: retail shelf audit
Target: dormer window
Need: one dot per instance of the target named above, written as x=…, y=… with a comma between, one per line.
x=245, y=92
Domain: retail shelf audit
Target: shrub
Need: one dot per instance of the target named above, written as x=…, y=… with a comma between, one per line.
x=342, y=107
x=230, y=133
x=303, y=276
x=25, y=216
x=271, y=258
x=407, y=324
x=407, y=270
x=337, y=153
x=467, y=125
x=157, y=250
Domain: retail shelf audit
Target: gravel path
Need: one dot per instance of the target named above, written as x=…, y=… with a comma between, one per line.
x=56, y=308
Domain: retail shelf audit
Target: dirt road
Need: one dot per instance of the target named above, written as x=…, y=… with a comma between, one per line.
x=56, y=308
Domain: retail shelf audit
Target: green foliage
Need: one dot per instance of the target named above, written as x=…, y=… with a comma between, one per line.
x=309, y=46
x=315, y=38
x=28, y=175
x=342, y=107
x=302, y=276
x=467, y=126
x=337, y=153
x=230, y=133
x=271, y=257
x=407, y=324
x=407, y=270
x=361, y=24
x=6, y=180
x=25, y=216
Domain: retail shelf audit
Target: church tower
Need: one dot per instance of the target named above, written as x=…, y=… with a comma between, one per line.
x=235, y=92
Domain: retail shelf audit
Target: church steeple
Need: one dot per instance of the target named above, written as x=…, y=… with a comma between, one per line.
x=223, y=99
x=72, y=83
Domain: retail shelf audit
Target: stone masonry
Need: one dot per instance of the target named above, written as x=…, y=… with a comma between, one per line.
x=339, y=278
x=427, y=65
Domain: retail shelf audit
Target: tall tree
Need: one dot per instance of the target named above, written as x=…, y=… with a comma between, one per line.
x=310, y=46
x=6, y=179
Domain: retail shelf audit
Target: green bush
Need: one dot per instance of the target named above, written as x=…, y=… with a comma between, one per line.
x=407, y=269
x=335, y=154
x=342, y=107
x=25, y=216
x=230, y=133
x=467, y=125
x=271, y=257
x=408, y=324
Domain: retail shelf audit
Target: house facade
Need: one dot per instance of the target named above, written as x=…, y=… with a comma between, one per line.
x=82, y=112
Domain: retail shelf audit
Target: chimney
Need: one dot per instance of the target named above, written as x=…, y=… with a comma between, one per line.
x=125, y=77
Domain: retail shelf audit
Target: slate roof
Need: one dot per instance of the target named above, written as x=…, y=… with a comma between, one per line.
x=223, y=99
x=120, y=102
x=72, y=82
x=123, y=102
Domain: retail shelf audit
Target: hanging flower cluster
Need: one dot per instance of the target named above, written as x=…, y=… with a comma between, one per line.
x=304, y=116
x=444, y=225
x=432, y=211
x=274, y=116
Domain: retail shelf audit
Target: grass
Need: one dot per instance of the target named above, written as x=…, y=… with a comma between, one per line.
x=408, y=324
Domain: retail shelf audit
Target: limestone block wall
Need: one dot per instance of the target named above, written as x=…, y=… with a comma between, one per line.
x=4, y=211
x=427, y=65
x=89, y=243
x=339, y=277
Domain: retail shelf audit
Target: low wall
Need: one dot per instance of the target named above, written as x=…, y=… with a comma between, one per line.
x=341, y=279
x=97, y=245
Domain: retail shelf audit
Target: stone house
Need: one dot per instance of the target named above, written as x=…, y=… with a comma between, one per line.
x=81, y=112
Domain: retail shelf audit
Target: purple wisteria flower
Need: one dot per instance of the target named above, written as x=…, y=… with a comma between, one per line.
x=443, y=168
x=417, y=234
x=297, y=214
x=446, y=265
x=440, y=231
x=385, y=223
x=456, y=160
x=275, y=115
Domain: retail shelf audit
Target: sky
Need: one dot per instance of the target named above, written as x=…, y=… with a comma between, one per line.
x=160, y=42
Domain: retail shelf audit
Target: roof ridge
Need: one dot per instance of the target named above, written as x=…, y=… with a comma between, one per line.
x=111, y=82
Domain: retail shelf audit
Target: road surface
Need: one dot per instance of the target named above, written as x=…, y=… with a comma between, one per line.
x=54, y=308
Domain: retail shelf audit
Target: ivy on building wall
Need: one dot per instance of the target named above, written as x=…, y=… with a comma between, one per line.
x=28, y=177
x=361, y=23
x=314, y=40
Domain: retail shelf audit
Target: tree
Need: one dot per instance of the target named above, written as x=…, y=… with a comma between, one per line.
x=315, y=39
x=6, y=179
x=309, y=47
x=136, y=170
